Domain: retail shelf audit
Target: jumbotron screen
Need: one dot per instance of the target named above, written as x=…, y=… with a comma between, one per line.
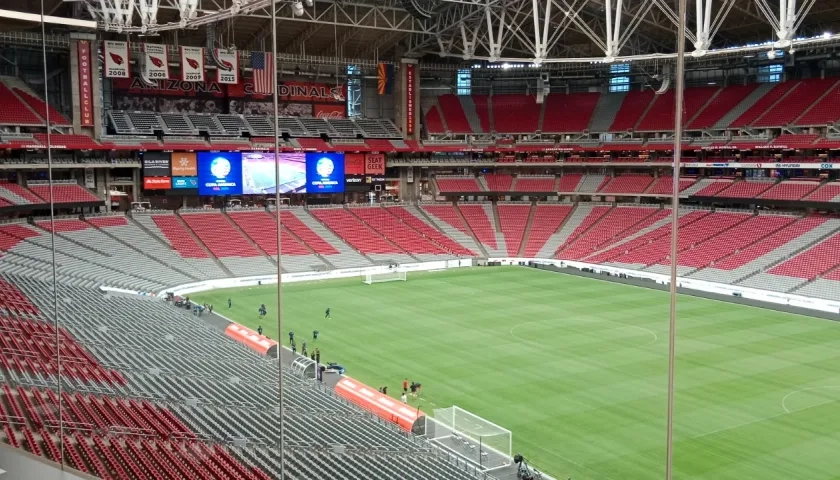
x=324, y=172
x=219, y=173
x=254, y=173
x=259, y=175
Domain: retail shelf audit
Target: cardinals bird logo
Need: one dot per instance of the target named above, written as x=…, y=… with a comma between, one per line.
x=116, y=58
x=193, y=63
x=337, y=93
x=226, y=65
x=156, y=61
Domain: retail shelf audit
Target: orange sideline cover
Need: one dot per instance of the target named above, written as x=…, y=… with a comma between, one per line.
x=384, y=406
x=250, y=338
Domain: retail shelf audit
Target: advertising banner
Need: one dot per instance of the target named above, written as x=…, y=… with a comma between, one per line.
x=410, y=97
x=85, y=84
x=156, y=164
x=294, y=91
x=329, y=110
x=184, y=164
x=192, y=64
x=213, y=95
x=157, y=183
x=354, y=164
x=228, y=71
x=116, y=59
x=219, y=173
x=184, y=182
x=354, y=169
x=155, y=61
x=324, y=172
x=375, y=164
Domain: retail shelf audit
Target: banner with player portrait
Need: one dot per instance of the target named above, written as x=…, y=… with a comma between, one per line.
x=228, y=71
x=192, y=64
x=116, y=59
x=155, y=61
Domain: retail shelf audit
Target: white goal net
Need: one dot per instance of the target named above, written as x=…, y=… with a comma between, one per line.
x=389, y=276
x=479, y=441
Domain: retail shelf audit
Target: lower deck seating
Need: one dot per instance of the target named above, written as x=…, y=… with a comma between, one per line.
x=513, y=219
x=815, y=261
x=262, y=229
x=398, y=232
x=179, y=237
x=431, y=233
x=354, y=232
x=220, y=237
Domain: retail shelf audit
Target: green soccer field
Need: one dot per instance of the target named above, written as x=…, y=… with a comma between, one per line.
x=577, y=368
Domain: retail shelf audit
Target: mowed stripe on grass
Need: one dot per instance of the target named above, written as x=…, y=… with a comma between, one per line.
x=577, y=369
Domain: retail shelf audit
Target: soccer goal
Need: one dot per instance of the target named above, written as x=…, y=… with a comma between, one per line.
x=389, y=276
x=479, y=441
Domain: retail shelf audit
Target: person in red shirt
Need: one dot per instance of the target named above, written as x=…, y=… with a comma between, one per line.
x=405, y=386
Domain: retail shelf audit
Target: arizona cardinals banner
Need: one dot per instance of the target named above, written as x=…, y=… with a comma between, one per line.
x=228, y=72
x=192, y=64
x=116, y=59
x=156, y=65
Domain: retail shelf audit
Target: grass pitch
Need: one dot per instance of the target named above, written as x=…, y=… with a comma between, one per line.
x=577, y=368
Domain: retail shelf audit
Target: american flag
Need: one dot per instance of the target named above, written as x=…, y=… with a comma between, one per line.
x=263, y=67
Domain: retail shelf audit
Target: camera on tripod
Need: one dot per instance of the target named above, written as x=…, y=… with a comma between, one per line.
x=524, y=472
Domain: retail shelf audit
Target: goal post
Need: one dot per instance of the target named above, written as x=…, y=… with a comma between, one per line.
x=387, y=276
x=479, y=441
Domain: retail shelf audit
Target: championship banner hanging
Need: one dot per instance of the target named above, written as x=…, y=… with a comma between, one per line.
x=228, y=71
x=192, y=64
x=85, y=84
x=116, y=59
x=156, y=64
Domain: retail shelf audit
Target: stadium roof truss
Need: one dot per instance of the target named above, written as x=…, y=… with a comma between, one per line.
x=513, y=31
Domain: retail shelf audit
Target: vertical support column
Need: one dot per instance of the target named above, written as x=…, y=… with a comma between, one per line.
x=407, y=96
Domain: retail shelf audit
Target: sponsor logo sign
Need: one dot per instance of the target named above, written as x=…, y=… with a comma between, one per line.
x=157, y=183
x=184, y=182
x=184, y=164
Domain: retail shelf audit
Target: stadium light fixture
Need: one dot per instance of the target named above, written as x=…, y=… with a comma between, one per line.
x=297, y=7
x=36, y=18
x=826, y=35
